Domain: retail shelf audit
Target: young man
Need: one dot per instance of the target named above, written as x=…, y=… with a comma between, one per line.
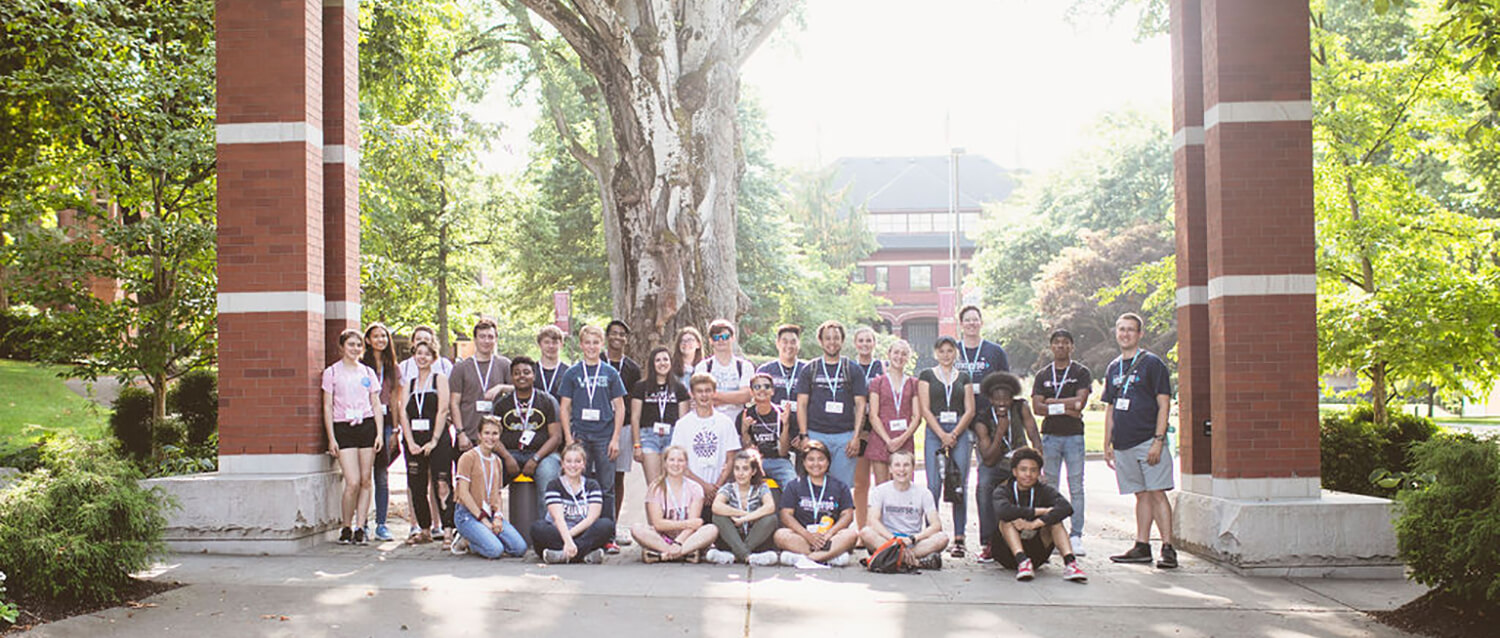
x=408, y=367
x=1137, y=400
x=709, y=437
x=999, y=431
x=978, y=356
x=549, y=369
x=897, y=508
x=616, y=335
x=766, y=427
x=473, y=389
x=731, y=373
x=1058, y=394
x=1031, y=515
x=784, y=372
x=529, y=430
x=831, y=397
x=592, y=409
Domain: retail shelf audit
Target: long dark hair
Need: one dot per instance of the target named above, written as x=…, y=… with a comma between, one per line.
x=677, y=360
x=383, y=362
x=651, y=366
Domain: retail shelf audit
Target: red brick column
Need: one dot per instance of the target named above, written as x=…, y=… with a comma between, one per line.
x=270, y=190
x=1194, y=405
x=1261, y=282
x=340, y=169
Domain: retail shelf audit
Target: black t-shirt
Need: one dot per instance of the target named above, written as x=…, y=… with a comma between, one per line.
x=765, y=430
x=1013, y=437
x=630, y=374
x=945, y=398
x=659, y=401
x=1052, y=383
x=1147, y=379
x=516, y=420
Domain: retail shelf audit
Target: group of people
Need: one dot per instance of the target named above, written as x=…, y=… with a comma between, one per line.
x=793, y=462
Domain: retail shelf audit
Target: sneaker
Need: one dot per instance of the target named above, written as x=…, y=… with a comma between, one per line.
x=933, y=561
x=984, y=555
x=958, y=549
x=842, y=560
x=693, y=557
x=594, y=558
x=611, y=548
x=1023, y=571
x=719, y=557
x=1168, y=557
x=1138, y=553
x=437, y=533
x=460, y=545
x=790, y=558
x=649, y=556
x=346, y=536
x=359, y=536
x=383, y=533
x=1073, y=572
x=1077, y=543
x=622, y=537
x=765, y=559
x=554, y=556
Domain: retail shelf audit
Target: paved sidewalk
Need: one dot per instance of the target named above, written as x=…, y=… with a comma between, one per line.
x=394, y=590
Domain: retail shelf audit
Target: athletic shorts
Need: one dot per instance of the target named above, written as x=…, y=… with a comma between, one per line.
x=354, y=436
x=1133, y=474
x=1038, y=548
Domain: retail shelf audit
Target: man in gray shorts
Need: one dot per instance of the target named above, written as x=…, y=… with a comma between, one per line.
x=1137, y=399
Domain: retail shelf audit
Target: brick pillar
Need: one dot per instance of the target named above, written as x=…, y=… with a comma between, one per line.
x=1261, y=286
x=1191, y=207
x=271, y=301
x=340, y=169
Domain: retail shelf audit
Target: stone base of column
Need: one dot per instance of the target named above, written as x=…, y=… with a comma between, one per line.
x=1273, y=527
x=255, y=504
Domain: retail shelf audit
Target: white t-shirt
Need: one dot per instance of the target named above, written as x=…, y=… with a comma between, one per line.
x=409, y=369
x=729, y=377
x=902, y=512
x=706, y=441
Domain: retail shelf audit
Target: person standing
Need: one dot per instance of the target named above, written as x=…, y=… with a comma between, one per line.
x=481, y=526
x=831, y=398
x=894, y=416
x=687, y=353
x=549, y=368
x=977, y=356
x=656, y=403
x=784, y=372
x=380, y=356
x=350, y=419
x=731, y=373
x=998, y=431
x=592, y=409
x=473, y=389
x=530, y=434
x=1137, y=401
x=872, y=368
x=947, y=407
x=1058, y=395
x=442, y=432
x=616, y=337
x=424, y=403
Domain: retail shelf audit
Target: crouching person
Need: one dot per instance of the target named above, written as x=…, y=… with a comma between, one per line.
x=1031, y=515
x=481, y=528
x=897, y=509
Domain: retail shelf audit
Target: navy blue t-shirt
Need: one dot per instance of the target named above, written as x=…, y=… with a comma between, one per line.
x=607, y=386
x=784, y=378
x=823, y=383
x=1148, y=379
x=831, y=499
x=980, y=362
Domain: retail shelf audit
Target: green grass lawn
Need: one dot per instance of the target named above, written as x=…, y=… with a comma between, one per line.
x=34, y=400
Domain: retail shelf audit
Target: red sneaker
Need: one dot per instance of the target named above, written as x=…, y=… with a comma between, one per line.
x=1023, y=571
x=1073, y=572
x=984, y=555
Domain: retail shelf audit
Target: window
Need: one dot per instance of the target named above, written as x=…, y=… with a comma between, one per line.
x=859, y=275
x=921, y=223
x=920, y=277
x=882, y=278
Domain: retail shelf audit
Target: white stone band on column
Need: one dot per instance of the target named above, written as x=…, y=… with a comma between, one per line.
x=251, y=302
x=1261, y=285
x=1246, y=112
x=341, y=154
x=342, y=310
x=1192, y=296
x=268, y=133
x=1267, y=488
x=1187, y=136
x=274, y=463
x=352, y=4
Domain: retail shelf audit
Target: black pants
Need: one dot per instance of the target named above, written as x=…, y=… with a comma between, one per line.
x=441, y=466
x=544, y=536
x=421, y=475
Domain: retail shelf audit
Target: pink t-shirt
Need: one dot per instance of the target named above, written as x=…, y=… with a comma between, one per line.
x=351, y=391
x=675, y=502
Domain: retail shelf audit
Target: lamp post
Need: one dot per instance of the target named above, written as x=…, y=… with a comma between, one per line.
x=954, y=252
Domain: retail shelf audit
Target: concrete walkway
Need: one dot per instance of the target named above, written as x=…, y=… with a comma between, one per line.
x=394, y=590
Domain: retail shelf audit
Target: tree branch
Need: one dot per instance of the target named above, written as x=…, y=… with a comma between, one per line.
x=589, y=43
x=757, y=24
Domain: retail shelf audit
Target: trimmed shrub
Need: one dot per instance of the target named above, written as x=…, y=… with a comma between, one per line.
x=76, y=528
x=195, y=399
x=1354, y=448
x=131, y=422
x=1448, y=530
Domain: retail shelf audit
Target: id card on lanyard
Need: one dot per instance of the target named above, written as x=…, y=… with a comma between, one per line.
x=832, y=406
x=591, y=413
x=484, y=405
x=1125, y=380
x=1054, y=409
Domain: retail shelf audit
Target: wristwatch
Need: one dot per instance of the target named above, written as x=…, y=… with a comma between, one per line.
x=1160, y=437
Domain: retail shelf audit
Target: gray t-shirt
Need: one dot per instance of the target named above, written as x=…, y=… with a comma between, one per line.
x=902, y=512
x=469, y=381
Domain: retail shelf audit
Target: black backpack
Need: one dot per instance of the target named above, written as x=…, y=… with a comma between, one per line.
x=894, y=557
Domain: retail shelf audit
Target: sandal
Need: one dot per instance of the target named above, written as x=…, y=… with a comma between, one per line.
x=419, y=537
x=958, y=549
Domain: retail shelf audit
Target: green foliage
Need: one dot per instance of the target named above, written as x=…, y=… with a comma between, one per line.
x=131, y=424
x=1448, y=531
x=1355, y=449
x=9, y=612
x=195, y=400
x=76, y=528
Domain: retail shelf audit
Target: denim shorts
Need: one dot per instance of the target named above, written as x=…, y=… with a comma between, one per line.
x=653, y=443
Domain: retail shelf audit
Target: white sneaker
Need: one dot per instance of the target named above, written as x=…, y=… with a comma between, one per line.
x=804, y=562
x=622, y=537
x=842, y=560
x=764, y=559
x=554, y=556
x=719, y=557
x=1077, y=542
x=790, y=558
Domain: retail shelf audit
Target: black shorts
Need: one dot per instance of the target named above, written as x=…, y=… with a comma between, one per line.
x=354, y=436
x=1037, y=549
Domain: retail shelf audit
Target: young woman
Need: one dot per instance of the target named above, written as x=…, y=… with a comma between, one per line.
x=766, y=427
x=380, y=356
x=656, y=402
x=574, y=530
x=480, y=526
x=817, y=515
x=871, y=368
x=744, y=513
x=351, y=392
x=688, y=353
x=893, y=412
x=674, y=528
x=947, y=407
x=999, y=430
x=425, y=413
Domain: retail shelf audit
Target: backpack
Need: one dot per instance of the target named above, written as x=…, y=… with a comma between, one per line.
x=893, y=557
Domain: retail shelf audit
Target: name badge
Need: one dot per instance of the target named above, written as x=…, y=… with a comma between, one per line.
x=897, y=425
x=484, y=406
x=527, y=436
x=948, y=417
x=834, y=407
x=974, y=387
x=488, y=510
x=590, y=414
x=1056, y=408
x=816, y=528
x=789, y=405
x=354, y=414
x=661, y=429
x=421, y=425
x=385, y=409
x=1122, y=404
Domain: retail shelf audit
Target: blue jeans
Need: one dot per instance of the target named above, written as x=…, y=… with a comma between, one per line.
x=780, y=470
x=961, y=451
x=840, y=466
x=383, y=473
x=484, y=542
x=547, y=470
x=1058, y=451
x=600, y=467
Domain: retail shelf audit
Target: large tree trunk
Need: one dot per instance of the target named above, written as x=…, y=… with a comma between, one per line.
x=669, y=173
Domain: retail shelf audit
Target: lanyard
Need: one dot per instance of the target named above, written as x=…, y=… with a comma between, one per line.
x=419, y=397
x=995, y=416
x=789, y=379
x=741, y=498
x=489, y=477
x=870, y=371
x=663, y=396
x=1057, y=387
x=1125, y=372
x=550, y=386
x=817, y=502
x=526, y=416
x=588, y=384
x=897, y=391
x=964, y=350
x=947, y=385
x=671, y=502
x=834, y=381
x=1030, y=495
x=580, y=503
x=484, y=378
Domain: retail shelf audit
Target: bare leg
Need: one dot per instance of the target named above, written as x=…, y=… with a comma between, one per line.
x=841, y=542
x=1162, y=512
x=652, y=465
x=882, y=471
x=650, y=539
x=1060, y=540
x=1012, y=537
x=931, y=545
x=701, y=538
x=861, y=490
x=872, y=539
x=366, y=485
x=349, y=465
x=790, y=541
x=1143, y=517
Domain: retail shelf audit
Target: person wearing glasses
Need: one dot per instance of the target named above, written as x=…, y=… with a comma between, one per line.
x=731, y=373
x=765, y=427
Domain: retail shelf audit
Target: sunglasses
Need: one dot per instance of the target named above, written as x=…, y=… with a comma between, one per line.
x=723, y=336
x=760, y=386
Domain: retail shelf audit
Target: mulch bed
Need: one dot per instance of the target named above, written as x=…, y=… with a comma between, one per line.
x=35, y=611
x=1434, y=614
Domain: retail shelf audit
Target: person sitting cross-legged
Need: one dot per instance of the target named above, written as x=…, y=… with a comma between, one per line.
x=1031, y=515
x=816, y=515
x=899, y=509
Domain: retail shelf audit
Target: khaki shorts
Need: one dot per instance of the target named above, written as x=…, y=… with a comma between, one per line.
x=1133, y=474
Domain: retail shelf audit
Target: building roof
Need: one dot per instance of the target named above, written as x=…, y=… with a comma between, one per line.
x=920, y=183
x=919, y=241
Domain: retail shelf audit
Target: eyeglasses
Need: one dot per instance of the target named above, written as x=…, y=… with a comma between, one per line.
x=760, y=386
x=723, y=336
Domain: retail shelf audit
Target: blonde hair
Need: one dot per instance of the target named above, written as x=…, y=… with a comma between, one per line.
x=590, y=330
x=660, y=484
